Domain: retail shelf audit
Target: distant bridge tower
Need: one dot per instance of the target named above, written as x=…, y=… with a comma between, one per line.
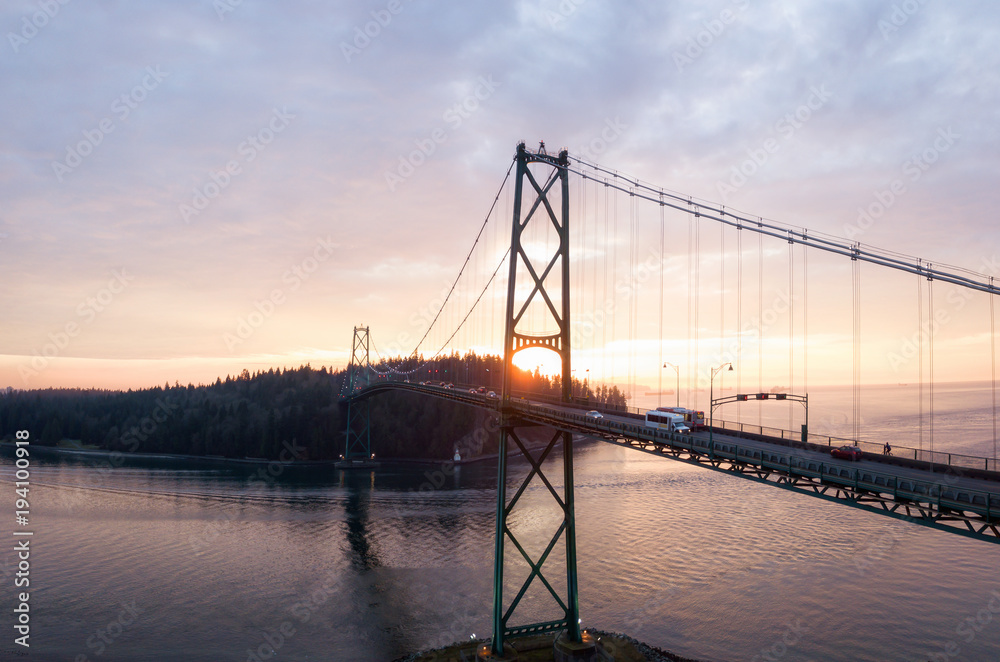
x=548, y=299
x=358, y=441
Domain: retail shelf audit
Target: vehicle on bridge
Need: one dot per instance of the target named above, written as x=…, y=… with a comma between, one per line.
x=593, y=413
x=694, y=419
x=851, y=453
x=667, y=421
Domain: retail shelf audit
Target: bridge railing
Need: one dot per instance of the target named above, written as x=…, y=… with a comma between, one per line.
x=922, y=455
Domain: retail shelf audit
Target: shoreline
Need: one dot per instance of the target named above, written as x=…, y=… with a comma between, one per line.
x=95, y=452
x=89, y=452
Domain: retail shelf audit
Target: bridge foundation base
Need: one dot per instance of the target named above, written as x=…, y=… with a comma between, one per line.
x=485, y=654
x=585, y=650
x=356, y=464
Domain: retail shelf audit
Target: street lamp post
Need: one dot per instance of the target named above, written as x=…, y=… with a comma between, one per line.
x=677, y=390
x=711, y=403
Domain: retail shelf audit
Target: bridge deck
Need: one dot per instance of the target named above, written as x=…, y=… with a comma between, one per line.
x=941, y=496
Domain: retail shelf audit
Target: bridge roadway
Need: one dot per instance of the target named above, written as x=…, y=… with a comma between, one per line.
x=944, y=497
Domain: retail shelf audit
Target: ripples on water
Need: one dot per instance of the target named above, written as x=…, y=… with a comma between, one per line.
x=369, y=567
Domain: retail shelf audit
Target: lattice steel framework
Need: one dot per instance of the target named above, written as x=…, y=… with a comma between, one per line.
x=556, y=312
x=358, y=442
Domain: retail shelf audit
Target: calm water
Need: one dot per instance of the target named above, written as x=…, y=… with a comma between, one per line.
x=206, y=563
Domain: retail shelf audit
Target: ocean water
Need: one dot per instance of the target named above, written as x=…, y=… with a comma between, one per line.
x=178, y=560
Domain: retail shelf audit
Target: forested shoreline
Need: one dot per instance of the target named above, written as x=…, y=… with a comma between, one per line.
x=254, y=415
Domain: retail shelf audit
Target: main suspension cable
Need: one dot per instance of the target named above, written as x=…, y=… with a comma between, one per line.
x=466, y=262
x=828, y=243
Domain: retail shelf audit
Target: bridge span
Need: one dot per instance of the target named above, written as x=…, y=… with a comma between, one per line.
x=948, y=498
x=537, y=316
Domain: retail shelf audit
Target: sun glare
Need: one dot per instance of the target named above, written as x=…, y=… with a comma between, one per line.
x=547, y=361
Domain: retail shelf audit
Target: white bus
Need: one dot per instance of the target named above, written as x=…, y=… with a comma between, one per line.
x=667, y=421
x=694, y=419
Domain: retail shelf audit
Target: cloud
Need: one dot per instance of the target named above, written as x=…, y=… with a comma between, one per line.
x=564, y=70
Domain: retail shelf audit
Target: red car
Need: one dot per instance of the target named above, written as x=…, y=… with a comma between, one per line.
x=851, y=453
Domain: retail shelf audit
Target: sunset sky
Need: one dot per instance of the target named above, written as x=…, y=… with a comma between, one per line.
x=169, y=168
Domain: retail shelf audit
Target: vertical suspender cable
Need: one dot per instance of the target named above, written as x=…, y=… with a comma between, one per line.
x=634, y=299
x=690, y=316
x=614, y=280
x=587, y=264
x=805, y=326
x=659, y=362
x=629, y=275
x=930, y=358
x=593, y=294
x=477, y=321
x=722, y=303
x=477, y=326
x=791, y=325
x=920, y=363
x=499, y=239
x=739, y=317
x=579, y=262
x=760, y=323
x=604, y=318
x=474, y=326
x=485, y=257
x=854, y=348
x=697, y=297
x=856, y=379
x=993, y=372
x=857, y=350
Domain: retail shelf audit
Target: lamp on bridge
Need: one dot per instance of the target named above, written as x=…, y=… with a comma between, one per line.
x=711, y=402
x=677, y=390
x=583, y=385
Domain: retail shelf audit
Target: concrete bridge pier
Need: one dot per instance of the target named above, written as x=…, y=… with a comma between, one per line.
x=586, y=650
x=485, y=654
x=564, y=649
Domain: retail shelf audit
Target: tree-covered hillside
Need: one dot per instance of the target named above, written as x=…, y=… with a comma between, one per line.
x=254, y=415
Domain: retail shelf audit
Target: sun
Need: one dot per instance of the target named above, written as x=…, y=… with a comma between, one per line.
x=545, y=360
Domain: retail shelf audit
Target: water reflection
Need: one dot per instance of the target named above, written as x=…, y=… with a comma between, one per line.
x=359, y=485
x=383, y=563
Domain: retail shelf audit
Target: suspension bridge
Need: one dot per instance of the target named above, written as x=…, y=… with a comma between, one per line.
x=658, y=275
